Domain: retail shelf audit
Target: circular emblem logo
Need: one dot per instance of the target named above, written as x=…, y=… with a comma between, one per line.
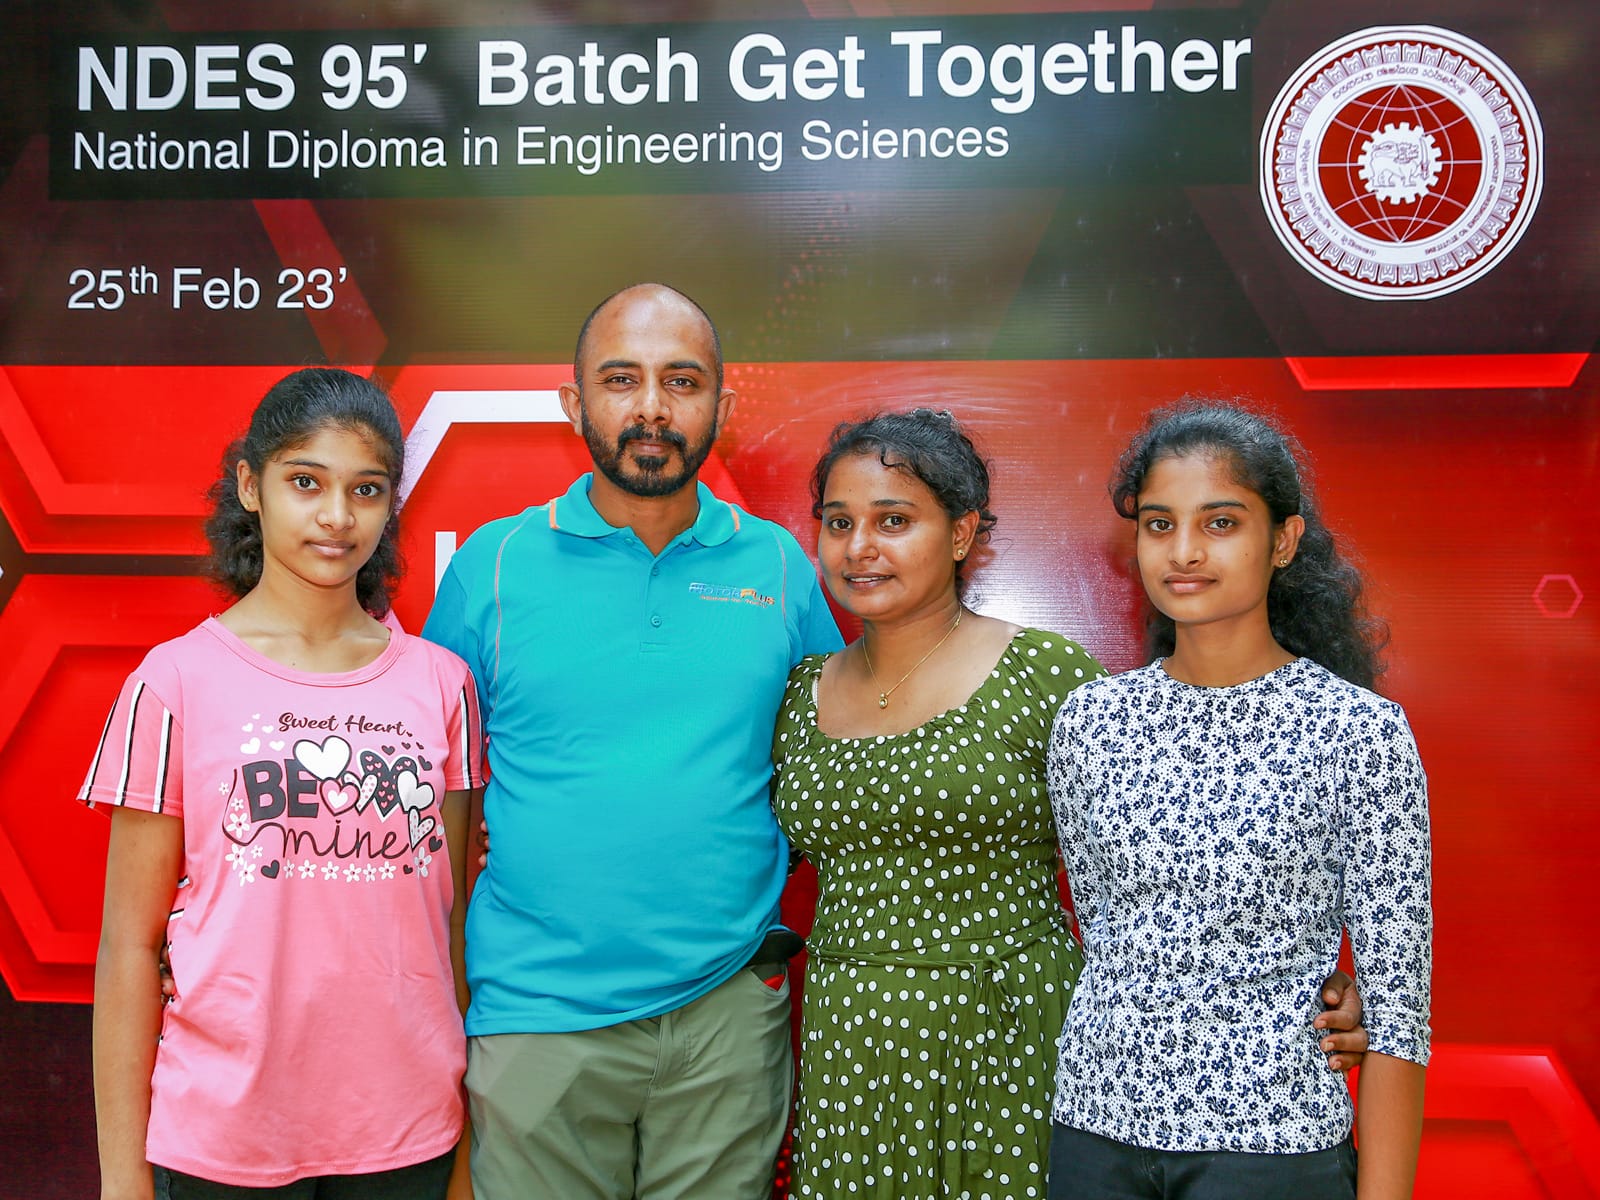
x=1401, y=163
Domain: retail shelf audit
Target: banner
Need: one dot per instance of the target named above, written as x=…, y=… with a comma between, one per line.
x=1048, y=220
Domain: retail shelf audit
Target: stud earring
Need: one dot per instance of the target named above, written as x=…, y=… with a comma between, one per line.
x=1283, y=562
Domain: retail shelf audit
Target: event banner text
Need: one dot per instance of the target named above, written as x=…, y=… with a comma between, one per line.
x=958, y=102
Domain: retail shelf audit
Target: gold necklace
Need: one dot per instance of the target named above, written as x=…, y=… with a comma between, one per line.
x=883, y=697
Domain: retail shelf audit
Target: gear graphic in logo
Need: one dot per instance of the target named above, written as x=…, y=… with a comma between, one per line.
x=1401, y=163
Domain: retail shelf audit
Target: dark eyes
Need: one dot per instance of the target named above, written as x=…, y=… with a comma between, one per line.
x=308, y=483
x=891, y=521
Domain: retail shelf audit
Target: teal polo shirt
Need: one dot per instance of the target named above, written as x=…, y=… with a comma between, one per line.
x=629, y=700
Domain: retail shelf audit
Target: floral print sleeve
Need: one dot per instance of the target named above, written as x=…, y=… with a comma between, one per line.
x=1387, y=903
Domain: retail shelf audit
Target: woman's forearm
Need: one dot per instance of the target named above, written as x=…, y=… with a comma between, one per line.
x=127, y=1022
x=1388, y=1127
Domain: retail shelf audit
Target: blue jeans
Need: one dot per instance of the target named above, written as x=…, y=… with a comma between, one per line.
x=425, y=1181
x=1086, y=1166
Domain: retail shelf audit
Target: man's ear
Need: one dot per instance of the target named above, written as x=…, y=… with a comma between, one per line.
x=572, y=405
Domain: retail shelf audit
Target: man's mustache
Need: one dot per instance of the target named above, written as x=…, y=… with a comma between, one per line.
x=642, y=433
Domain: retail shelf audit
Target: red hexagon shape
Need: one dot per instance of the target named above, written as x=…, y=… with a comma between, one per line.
x=1506, y=1121
x=73, y=639
x=1557, y=596
x=107, y=460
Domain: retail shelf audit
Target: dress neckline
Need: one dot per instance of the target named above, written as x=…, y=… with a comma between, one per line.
x=814, y=714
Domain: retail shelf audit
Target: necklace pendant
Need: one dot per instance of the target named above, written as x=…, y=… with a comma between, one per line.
x=883, y=700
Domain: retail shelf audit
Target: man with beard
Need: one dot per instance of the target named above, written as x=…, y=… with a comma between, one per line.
x=629, y=1026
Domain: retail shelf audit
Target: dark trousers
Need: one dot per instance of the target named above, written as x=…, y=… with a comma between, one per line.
x=1086, y=1166
x=425, y=1181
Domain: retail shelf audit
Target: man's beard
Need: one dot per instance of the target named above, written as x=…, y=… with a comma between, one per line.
x=647, y=476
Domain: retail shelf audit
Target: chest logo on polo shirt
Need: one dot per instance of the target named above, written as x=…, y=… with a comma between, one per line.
x=728, y=594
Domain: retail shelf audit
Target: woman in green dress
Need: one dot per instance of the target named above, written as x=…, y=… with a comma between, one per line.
x=910, y=771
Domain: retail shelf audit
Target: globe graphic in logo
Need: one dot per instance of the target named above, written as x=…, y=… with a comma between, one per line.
x=1401, y=163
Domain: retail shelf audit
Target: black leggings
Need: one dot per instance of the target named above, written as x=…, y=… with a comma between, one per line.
x=425, y=1181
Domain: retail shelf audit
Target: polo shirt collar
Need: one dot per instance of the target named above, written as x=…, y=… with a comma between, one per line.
x=574, y=513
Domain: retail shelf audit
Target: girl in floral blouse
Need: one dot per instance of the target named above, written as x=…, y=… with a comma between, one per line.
x=1227, y=812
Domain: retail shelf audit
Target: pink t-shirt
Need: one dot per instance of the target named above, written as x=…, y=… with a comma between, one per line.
x=315, y=1029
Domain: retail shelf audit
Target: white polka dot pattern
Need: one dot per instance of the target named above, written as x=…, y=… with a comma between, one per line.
x=940, y=963
x=1218, y=840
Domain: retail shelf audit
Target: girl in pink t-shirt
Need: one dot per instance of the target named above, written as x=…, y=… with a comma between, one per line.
x=289, y=786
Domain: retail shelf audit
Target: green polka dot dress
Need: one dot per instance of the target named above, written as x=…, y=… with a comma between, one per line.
x=940, y=961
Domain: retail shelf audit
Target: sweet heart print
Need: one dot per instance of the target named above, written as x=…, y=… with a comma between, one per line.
x=414, y=796
x=419, y=827
x=424, y=763
x=325, y=759
x=338, y=796
x=435, y=845
x=386, y=791
x=250, y=747
x=271, y=869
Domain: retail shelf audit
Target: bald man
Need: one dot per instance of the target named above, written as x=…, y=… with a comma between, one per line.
x=629, y=1026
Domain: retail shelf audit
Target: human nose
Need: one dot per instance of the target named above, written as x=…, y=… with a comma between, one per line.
x=335, y=511
x=859, y=543
x=1186, y=547
x=650, y=403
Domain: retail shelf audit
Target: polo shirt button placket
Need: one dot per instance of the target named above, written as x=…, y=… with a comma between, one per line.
x=655, y=621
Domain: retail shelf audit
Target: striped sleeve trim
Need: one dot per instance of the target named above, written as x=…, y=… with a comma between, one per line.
x=140, y=755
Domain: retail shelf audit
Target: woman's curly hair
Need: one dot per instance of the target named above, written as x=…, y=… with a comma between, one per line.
x=1314, y=605
x=926, y=444
x=292, y=412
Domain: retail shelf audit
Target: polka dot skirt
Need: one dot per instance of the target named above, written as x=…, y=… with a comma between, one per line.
x=941, y=965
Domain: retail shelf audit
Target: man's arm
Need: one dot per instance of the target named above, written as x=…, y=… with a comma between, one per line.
x=457, y=811
x=1344, y=1038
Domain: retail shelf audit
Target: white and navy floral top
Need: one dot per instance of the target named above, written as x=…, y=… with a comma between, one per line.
x=1217, y=841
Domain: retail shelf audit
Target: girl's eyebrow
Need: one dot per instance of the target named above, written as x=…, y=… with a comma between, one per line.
x=315, y=465
x=1206, y=507
x=886, y=503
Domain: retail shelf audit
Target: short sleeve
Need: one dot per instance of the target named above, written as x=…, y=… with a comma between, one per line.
x=1056, y=665
x=816, y=626
x=447, y=623
x=1388, y=902
x=464, y=769
x=137, y=761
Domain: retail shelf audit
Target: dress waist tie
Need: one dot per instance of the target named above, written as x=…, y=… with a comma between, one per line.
x=990, y=1023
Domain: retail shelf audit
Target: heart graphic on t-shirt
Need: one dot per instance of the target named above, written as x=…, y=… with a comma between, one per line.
x=414, y=796
x=369, y=788
x=419, y=827
x=386, y=791
x=326, y=760
x=426, y=765
x=250, y=747
x=435, y=845
x=338, y=796
x=271, y=869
